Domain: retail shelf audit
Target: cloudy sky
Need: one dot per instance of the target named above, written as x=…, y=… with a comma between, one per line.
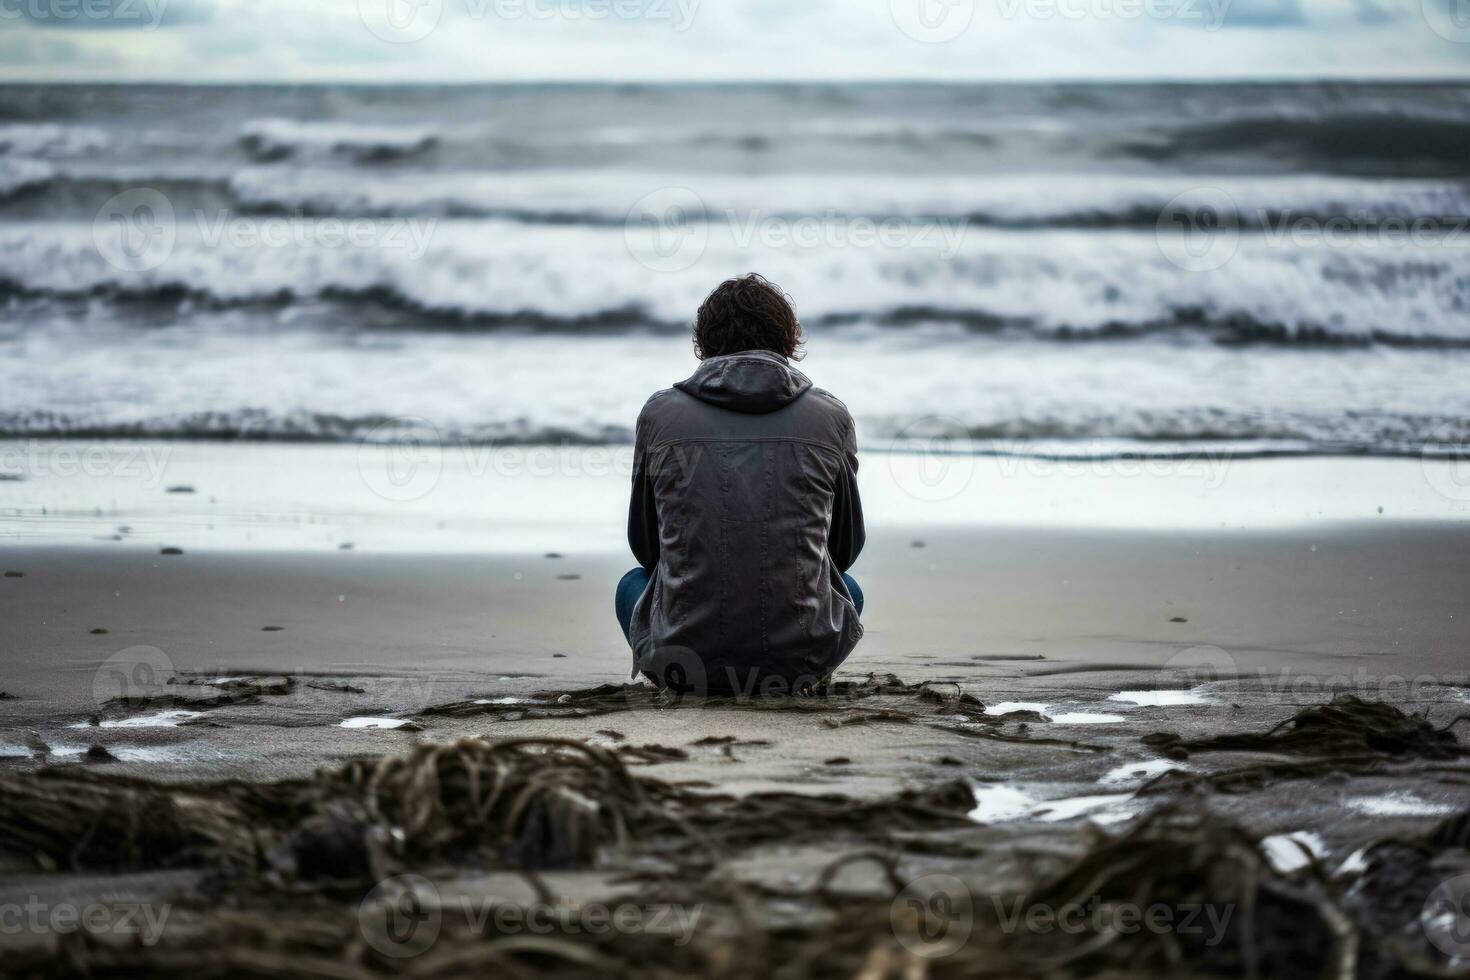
x=471, y=40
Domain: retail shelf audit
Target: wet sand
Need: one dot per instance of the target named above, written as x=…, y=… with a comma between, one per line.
x=1059, y=618
x=1053, y=656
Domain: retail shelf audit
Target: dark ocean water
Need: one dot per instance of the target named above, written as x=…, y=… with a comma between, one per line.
x=1078, y=268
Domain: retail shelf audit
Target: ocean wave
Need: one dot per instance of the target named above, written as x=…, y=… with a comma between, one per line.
x=50, y=140
x=19, y=175
x=1054, y=284
x=1059, y=201
x=1020, y=440
x=603, y=200
x=269, y=140
x=381, y=307
x=1344, y=141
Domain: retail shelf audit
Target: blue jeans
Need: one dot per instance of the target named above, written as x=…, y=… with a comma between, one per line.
x=630, y=589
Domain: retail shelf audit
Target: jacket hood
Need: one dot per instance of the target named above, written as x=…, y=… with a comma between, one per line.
x=753, y=382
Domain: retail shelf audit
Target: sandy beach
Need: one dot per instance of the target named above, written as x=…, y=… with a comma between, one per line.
x=1046, y=672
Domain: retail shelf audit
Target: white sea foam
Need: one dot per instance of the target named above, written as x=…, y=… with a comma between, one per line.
x=171, y=718
x=1000, y=803
x=1006, y=707
x=278, y=138
x=1160, y=699
x=1289, y=852
x=50, y=140
x=1137, y=772
x=1399, y=804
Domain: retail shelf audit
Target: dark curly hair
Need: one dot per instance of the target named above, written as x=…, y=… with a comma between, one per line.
x=747, y=313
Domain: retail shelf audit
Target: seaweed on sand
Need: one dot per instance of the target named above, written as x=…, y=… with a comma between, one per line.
x=933, y=703
x=1346, y=726
x=1228, y=912
x=519, y=803
x=610, y=698
x=1220, y=910
x=536, y=802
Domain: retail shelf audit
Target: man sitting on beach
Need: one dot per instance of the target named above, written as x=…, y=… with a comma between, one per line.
x=745, y=513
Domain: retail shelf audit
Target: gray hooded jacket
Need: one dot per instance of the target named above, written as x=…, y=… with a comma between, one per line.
x=745, y=511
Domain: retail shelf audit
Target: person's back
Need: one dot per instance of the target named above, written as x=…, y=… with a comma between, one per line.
x=745, y=512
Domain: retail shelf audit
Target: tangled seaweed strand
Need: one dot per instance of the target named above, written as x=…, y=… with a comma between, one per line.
x=1347, y=736
x=543, y=802
x=1346, y=726
x=1192, y=863
x=519, y=803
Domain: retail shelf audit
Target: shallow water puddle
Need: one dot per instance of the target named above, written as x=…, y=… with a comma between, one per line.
x=1006, y=707
x=1159, y=699
x=1399, y=804
x=994, y=804
x=1288, y=852
x=998, y=803
x=171, y=718
x=374, y=723
x=123, y=753
x=1053, y=811
x=1065, y=718
x=1137, y=772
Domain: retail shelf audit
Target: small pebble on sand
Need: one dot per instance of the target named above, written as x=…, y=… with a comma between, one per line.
x=271, y=629
x=568, y=578
x=15, y=574
x=553, y=554
x=170, y=551
x=1178, y=619
x=99, y=631
x=181, y=488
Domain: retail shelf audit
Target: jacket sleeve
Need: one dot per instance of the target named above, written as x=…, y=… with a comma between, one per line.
x=847, y=535
x=642, y=512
